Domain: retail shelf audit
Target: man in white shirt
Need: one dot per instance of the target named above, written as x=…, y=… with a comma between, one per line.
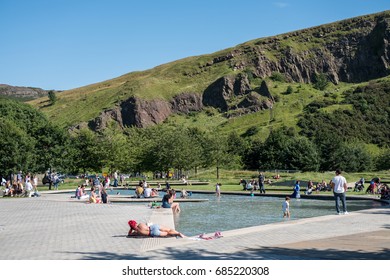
x=339, y=186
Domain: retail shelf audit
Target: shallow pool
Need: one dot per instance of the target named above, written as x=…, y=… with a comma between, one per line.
x=239, y=211
x=235, y=211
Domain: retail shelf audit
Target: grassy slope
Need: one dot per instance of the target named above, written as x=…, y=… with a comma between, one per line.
x=162, y=82
x=190, y=75
x=285, y=112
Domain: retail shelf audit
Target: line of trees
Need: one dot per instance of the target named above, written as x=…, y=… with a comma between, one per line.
x=29, y=142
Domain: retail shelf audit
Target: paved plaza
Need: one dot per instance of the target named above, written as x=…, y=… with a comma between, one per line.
x=54, y=226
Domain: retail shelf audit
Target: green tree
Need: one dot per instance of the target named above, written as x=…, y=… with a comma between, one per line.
x=277, y=77
x=52, y=97
x=215, y=152
x=352, y=157
x=320, y=81
x=252, y=153
x=272, y=154
x=140, y=142
x=41, y=144
x=289, y=90
x=51, y=150
x=114, y=148
x=197, y=141
x=16, y=146
x=301, y=154
x=383, y=161
x=87, y=152
x=176, y=148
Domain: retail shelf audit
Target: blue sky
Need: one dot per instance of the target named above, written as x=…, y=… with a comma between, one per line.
x=64, y=44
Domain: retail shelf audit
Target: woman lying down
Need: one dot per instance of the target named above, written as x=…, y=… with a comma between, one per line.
x=141, y=229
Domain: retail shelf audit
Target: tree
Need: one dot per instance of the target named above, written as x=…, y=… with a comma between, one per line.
x=383, y=161
x=215, y=152
x=40, y=144
x=197, y=141
x=16, y=146
x=236, y=147
x=272, y=154
x=52, y=97
x=320, y=81
x=87, y=153
x=114, y=148
x=289, y=90
x=52, y=149
x=251, y=156
x=352, y=157
x=301, y=154
x=176, y=148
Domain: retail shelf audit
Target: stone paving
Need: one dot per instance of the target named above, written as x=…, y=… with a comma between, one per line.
x=54, y=226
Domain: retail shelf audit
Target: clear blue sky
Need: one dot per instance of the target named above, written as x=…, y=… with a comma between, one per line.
x=64, y=44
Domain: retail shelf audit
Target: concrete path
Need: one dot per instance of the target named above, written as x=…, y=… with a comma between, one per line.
x=55, y=227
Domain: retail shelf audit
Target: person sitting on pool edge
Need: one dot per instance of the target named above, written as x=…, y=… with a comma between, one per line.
x=141, y=229
x=167, y=202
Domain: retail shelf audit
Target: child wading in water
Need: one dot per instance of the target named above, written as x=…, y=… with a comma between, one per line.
x=286, y=207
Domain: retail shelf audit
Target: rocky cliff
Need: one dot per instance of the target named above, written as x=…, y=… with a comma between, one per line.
x=142, y=113
x=352, y=51
x=21, y=92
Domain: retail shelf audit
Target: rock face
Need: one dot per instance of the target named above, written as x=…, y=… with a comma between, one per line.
x=352, y=51
x=22, y=92
x=186, y=103
x=142, y=113
x=219, y=93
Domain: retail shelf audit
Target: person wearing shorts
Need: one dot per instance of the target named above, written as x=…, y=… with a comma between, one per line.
x=154, y=230
x=167, y=202
x=286, y=207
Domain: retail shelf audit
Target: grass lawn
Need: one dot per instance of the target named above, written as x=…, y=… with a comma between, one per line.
x=230, y=180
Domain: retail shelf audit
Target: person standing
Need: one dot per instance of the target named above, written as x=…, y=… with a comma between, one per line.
x=286, y=207
x=115, y=179
x=339, y=186
x=297, y=189
x=218, y=189
x=261, y=183
x=35, y=183
x=56, y=181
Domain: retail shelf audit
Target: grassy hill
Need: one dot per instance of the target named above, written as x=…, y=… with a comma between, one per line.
x=258, y=58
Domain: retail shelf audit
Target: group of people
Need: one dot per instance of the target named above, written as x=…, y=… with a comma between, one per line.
x=375, y=186
x=143, y=189
x=254, y=185
x=339, y=186
x=385, y=192
x=22, y=186
x=319, y=187
x=96, y=186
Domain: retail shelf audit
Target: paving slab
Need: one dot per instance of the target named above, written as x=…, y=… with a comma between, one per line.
x=51, y=227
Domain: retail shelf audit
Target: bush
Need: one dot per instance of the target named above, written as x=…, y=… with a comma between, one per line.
x=277, y=77
x=320, y=81
x=289, y=90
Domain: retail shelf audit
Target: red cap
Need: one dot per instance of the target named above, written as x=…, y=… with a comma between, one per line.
x=133, y=224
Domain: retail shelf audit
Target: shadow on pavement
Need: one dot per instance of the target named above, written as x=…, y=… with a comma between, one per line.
x=261, y=253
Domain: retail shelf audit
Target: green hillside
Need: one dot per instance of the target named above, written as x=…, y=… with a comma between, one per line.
x=285, y=112
x=162, y=82
x=195, y=74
